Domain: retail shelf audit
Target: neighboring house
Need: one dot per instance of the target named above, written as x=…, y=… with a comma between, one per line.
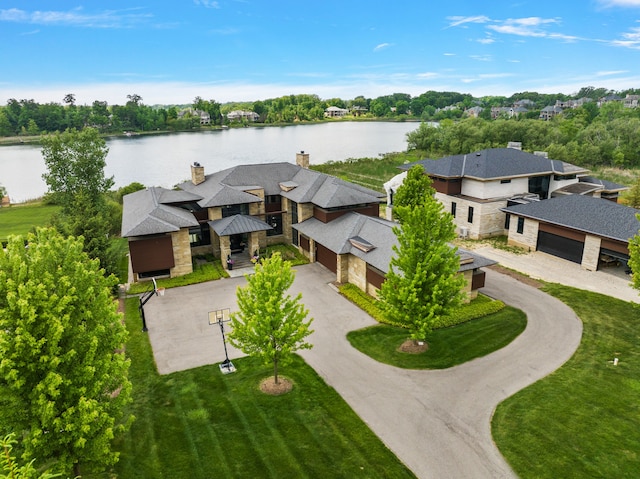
x=358, y=110
x=631, y=101
x=239, y=115
x=237, y=212
x=475, y=187
x=473, y=112
x=334, y=112
x=586, y=230
x=609, y=99
x=549, y=112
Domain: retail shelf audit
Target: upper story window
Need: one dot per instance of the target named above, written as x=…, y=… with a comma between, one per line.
x=502, y=182
x=230, y=210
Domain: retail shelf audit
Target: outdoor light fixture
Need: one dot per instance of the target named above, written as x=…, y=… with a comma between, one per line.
x=219, y=317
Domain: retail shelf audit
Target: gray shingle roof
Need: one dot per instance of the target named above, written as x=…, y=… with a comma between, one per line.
x=607, y=186
x=144, y=214
x=494, y=163
x=377, y=232
x=238, y=224
x=583, y=213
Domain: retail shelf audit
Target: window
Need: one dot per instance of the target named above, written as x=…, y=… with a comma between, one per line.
x=520, y=225
x=502, y=182
x=230, y=210
x=507, y=221
x=274, y=221
x=453, y=208
x=199, y=235
x=294, y=219
x=470, y=215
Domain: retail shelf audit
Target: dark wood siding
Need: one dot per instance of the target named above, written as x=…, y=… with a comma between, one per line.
x=564, y=232
x=450, y=186
x=614, y=245
x=325, y=215
x=326, y=257
x=375, y=277
x=153, y=254
x=477, y=280
x=304, y=243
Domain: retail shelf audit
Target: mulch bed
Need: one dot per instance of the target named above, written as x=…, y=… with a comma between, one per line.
x=412, y=347
x=268, y=386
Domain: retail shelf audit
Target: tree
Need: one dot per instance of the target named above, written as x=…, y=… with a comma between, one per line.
x=269, y=323
x=423, y=281
x=415, y=191
x=75, y=162
x=63, y=375
x=11, y=469
x=634, y=258
x=633, y=195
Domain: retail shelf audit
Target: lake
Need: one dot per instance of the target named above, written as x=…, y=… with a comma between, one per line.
x=163, y=160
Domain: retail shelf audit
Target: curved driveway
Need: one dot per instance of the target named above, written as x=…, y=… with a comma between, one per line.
x=436, y=422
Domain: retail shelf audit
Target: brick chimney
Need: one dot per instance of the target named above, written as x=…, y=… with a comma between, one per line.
x=302, y=159
x=197, y=173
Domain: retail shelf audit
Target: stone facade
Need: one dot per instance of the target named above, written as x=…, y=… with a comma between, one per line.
x=488, y=220
x=343, y=269
x=528, y=239
x=181, y=253
x=591, y=253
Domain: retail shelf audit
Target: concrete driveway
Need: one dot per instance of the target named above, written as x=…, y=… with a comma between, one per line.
x=436, y=422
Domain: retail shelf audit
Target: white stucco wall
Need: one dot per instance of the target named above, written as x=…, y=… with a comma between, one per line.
x=493, y=188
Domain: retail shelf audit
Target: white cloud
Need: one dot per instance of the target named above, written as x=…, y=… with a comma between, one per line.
x=381, y=46
x=620, y=3
x=481, y=58
x=75, y=17
x=612, y=72
x=486, y=41
x=526, y=27
x=456, y=21
x=207, y=3
x=446, y=54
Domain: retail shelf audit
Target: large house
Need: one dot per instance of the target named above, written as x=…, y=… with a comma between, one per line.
x=486, y=189
x=234, y=213
x=475, y=187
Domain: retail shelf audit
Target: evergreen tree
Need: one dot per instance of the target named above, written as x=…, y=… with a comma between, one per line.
x=63, y=375
x=270, y=324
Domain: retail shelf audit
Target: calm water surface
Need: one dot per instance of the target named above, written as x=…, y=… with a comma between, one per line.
x=163, y=160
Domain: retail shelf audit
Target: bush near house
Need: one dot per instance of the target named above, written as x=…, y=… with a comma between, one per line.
x=478, y=308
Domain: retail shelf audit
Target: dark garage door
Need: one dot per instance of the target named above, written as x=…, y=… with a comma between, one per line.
x=326, y=257
x=560, y=246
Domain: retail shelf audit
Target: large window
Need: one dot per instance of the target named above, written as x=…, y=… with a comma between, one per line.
x=520, y=228
x=507, y=221
x=470, y=215
x=231, y=210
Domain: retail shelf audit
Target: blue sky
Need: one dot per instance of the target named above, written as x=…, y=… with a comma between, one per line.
x=245, y=50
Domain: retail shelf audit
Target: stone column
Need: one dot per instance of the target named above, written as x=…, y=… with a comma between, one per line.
x=591, y=253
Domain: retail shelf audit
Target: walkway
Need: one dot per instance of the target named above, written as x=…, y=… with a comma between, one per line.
x=436, y=422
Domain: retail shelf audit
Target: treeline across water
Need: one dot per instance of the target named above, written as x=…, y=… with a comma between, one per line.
x=608, y=136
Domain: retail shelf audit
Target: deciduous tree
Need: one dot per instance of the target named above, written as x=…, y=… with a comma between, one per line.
x=63, y=374
x=270, y=323
x=422, y=283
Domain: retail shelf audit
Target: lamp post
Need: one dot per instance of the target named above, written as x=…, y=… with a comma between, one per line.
x=219, y=317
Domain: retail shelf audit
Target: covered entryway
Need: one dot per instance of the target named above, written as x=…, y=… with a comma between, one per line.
x=327, y=258
x=561, y=246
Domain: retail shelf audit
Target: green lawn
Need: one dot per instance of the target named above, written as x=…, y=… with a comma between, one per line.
x=20, y=220
x=447, y=347
x=203, y=424
x=584, y=419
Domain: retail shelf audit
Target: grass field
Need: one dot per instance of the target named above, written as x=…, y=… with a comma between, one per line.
x=369, y=172
x=21, y=219
x=203, y=424
x=447, y=347
x=584, y=419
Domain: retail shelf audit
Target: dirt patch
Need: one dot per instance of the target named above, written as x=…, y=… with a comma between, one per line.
x=413, y=347
x=269, y=386
x=523, y=278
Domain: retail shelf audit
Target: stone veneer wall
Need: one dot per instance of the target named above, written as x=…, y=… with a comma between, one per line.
x=181, y=253
x=286, y=220
x=342, y=268
x=215, y=214
x=225, y=250
x=591, y=253
x=528, y=239
x=305, y=211
x=488, y=220
x=357, y=271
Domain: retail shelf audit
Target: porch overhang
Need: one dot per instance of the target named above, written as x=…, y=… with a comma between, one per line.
x=238, y=224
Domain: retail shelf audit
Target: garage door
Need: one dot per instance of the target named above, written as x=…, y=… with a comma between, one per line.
x=326, y=257
x=560, y=246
